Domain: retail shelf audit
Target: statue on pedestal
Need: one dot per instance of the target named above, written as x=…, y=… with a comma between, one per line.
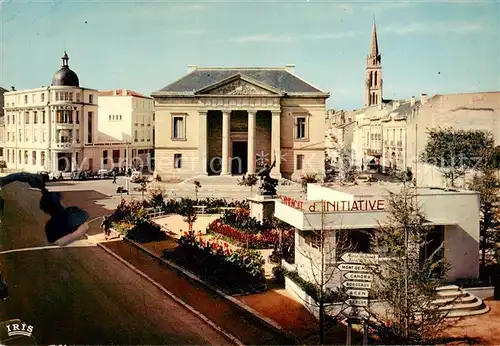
x=268, y=184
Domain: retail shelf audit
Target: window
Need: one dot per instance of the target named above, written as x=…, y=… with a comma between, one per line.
x=300, y=128
x=77, y=97
x=89, y=125
x=91, y=99
x=43, y=117
x=20, y=156
x=105, y=156
x=178, y=128
x=177, y=160
x=35, y=118
x=25, y=99
x=300, y=161
x=110, y=117
x=33, y=157
x=26, y=157
x=70, y=97
x=26, y=117
x=77, y=117
x=42, y=158
x=77, y=136
x=116, y=156
x=42, y=97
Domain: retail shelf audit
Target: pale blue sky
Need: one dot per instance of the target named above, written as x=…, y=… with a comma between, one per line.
x=430, y=47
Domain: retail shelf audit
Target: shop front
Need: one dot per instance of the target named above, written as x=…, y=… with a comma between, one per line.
x=357, y=211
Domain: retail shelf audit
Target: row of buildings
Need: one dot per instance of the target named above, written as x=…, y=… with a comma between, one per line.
x=65, y=127
x=390, y=134
x=228, y=121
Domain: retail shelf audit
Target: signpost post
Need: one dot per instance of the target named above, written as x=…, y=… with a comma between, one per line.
x=358, y=282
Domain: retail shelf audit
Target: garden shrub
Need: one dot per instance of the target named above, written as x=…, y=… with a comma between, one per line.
x=279, y=274
x=236, y=271
x=313, y=290
x=213, y=205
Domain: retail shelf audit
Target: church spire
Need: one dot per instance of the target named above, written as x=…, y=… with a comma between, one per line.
x=374, y=53
x=373, y=72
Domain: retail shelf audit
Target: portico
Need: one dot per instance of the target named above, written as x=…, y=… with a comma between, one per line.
x=238, y=141
x=218, y=121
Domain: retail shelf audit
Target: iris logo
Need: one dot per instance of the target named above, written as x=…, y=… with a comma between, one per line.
x=15, y=329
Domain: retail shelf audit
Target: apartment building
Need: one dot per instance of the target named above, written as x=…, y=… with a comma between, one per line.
x=46, y=128
x=126, y=120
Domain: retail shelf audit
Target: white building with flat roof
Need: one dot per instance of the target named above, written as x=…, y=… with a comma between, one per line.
x=454, y=216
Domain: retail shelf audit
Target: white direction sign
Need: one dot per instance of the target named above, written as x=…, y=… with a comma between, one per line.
x=348, y=267
x=355, y=257
x=358, y=276
x=357, y=284
x=357, y=293
x=357, y=302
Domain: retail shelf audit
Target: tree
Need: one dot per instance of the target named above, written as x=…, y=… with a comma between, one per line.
x=455, y=151
x=143, y=185
x=249, y=180
x=406, y=282
x=3, y=165
x=486, y=182
x=197, y=187
x=326, y=248
x=347, y=170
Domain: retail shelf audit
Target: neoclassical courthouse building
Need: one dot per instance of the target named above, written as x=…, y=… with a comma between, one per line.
x=230, y=121
x=65, y=127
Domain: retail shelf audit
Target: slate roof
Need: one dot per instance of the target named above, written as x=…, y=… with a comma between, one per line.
x=405, y=108
x=276, y=78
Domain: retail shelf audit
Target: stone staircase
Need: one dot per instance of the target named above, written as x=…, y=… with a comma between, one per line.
x=459, y=302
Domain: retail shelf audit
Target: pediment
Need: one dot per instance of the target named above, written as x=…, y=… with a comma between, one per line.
x=238, y=86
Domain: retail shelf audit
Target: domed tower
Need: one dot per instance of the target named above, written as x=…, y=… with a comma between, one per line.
x=65, y=76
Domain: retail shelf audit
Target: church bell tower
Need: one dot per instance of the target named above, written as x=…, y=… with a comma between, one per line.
x=373, y=75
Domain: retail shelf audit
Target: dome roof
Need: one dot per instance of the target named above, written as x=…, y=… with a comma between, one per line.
x=64, y=76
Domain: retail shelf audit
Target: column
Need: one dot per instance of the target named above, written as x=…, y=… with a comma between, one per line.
x=203, y=143
x=276, y=143
x=73, y=161
x=251, y=142
x=226, y=121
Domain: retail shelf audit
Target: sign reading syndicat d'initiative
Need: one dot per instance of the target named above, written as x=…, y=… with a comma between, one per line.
x=315, y=207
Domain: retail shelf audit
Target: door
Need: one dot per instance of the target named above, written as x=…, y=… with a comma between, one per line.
x=239, y=159
x=91, y=164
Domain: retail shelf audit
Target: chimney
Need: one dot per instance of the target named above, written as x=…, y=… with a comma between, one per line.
x=13, y=88
x=423, y=99
x=290, y=67
x=412, y=101
x=124, y=92
x=191, y=68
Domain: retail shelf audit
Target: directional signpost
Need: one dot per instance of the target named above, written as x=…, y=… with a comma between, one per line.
x=358, y=282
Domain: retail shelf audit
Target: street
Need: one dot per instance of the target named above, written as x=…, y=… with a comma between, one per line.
x=80, y=294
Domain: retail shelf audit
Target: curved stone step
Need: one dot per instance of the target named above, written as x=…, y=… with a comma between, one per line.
x=476, y=304
x=464, y=313
x=466, y=298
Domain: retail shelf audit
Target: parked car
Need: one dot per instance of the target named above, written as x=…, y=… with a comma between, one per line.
x=103, y=173
x=45, y=175
x=56, y=175
x=76, y=175
x=366, y=178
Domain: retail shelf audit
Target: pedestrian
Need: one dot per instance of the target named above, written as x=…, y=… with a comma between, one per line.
x=114, y=177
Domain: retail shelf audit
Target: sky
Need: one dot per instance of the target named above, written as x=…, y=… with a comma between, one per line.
x=427, y=47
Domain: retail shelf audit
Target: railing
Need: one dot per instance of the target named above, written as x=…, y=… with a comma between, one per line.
x=400, y=143
x=154, y=212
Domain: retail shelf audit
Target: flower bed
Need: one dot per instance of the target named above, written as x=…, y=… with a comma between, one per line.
x=130, y=220
x=235, y=272
x=264, y=240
